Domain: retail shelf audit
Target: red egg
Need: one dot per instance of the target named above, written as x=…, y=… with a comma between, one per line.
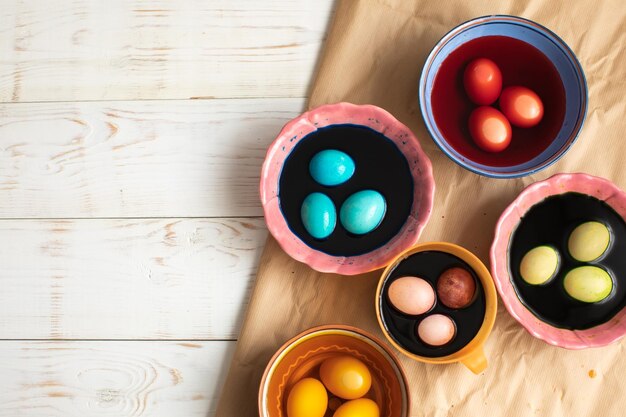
x=483, y=81
x=522, y=106
x=489, y=128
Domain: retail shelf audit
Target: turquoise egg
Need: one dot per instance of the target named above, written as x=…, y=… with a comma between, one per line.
x=319, y=215
x=331, y=167
x=363, y=212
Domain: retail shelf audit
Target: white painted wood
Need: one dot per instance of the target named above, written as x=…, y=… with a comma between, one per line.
x=163, y=193
x=127, y=279
x=117, y=379
x=62, y=50
x=193, y=158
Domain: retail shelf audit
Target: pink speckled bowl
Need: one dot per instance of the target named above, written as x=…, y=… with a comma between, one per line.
x=364, y=115
x=599, y=188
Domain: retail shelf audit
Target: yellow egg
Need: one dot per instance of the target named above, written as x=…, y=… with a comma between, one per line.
x=589, y=241
x=539, y=265
x=346, y=377
x=363, y=407
x=308, y=398
x=588, y=284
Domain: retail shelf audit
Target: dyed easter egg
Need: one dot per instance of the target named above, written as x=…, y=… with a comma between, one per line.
x=539, y=265
x=411, y=295
x=436, y=330
x=456, y=287
x=307, y=398
x=521, y=106
x=331, y=167
x=319, y=215
x=490, y=130
x=589, y=241
x=346, y=377
x=363, y=407
x=588, y=284
x=483, y=81
x=363, y=212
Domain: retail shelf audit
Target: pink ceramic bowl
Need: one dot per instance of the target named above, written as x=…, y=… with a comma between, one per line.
x=371, y=117
x=600, y=335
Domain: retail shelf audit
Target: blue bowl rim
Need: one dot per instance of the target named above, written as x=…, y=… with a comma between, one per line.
x=477, y=21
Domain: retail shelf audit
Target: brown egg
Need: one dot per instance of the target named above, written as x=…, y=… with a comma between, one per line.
x=411, y=295
x=456, y=288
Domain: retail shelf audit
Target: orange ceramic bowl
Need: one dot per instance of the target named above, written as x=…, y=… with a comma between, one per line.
x=301, y=357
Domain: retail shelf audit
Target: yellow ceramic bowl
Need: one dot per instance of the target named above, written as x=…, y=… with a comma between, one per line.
x=471, y=355
x=301, y=357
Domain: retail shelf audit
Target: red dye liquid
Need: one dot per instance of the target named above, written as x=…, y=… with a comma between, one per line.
x=521, y=64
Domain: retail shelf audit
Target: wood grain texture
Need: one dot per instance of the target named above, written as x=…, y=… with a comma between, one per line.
x=62, y=50
x=117, y=379
x=128, y=211
x=198, y=158
x=127, y=279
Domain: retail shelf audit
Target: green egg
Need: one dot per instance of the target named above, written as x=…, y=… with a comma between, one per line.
x=589, y=241
x=539, y=265
x=588, y=284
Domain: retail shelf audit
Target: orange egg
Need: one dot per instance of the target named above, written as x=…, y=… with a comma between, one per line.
x=346, y=377
x=363, y=407
x=308, y=398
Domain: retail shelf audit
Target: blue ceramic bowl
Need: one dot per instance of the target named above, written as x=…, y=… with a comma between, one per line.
x=571, y=114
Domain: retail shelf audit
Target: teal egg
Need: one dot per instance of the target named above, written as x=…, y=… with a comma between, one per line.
x=319, y=215
x=331, y=167
x=363, y=212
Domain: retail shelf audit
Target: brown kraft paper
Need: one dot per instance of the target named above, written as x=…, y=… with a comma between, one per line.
x=374, y=54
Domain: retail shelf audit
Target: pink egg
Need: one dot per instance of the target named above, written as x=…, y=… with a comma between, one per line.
x=411, y=295
x=436, y=330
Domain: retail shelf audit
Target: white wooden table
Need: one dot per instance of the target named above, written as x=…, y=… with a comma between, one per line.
x=131, y=139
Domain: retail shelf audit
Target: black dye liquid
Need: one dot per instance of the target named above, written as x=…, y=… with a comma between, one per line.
x=429, y=265
x=379, y=165
x=550, y=222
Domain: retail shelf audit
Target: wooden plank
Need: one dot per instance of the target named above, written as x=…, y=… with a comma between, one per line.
x=199, y=158
x=61, y=50
x=84, y=379
x=127, y=279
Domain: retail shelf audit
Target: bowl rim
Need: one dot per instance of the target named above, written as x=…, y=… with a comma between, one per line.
x=504, y=18
x=342, y=113
x=491, y=301
x=600, y=188
x=347, y=330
